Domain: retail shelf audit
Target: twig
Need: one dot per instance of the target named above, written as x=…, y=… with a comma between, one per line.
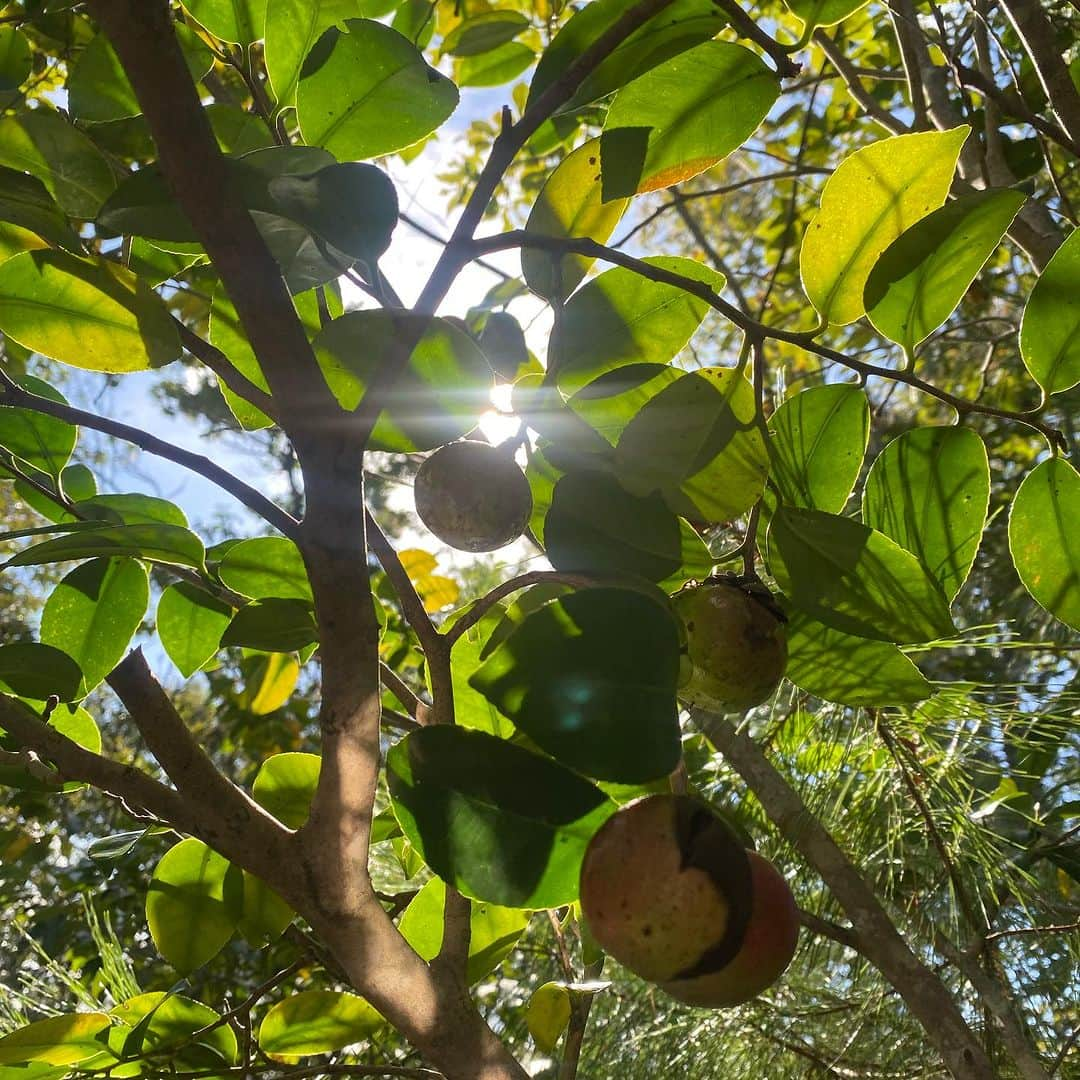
x=748, y=28
x=221, y=366
x=418, y=710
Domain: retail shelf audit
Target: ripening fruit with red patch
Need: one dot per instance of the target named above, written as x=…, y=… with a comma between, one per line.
x=473, y=496
x=668, y=890
x=736, y=645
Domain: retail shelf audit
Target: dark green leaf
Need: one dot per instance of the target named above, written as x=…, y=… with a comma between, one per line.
x=16, y=61
x=24, y=201
x=854, y=579
x=590, y=678
x=273, y=625
x=595, y=526
x=621, y=318
x=292, y=28
x=38, y=671
x=158, y=543
x=484, y=32
x=132, y=508
x=495, y=68
x=501, y=824
x=264, y=567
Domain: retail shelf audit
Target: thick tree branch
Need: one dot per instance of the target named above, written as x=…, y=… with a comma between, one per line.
x=1040, y=39
x=923, y=992
x=194, y=168
x=13, y=394
x=185, y=762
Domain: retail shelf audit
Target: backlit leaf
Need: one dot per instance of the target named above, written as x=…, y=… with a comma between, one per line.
x=1050, y=331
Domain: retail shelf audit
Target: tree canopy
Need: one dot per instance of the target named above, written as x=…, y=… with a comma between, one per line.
x=667, y=312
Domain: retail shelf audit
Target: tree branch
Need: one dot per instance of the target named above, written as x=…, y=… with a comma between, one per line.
x=13, y=394
x=185, y=762
x=521, y=238
x=220, y=365
x=194, y=168
x=881, y=943
x=418, y=710
x=748, y=28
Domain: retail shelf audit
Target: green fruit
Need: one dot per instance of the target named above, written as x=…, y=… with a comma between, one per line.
x=736, y=646
x=547, y=1015
x=473, y=496
x=668, y=890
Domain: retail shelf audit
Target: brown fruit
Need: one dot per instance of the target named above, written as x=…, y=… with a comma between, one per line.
x=473, y=496
x=736, y=646
x=668, y=890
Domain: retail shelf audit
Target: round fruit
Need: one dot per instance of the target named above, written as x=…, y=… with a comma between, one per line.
x=669, y=892
x=666, y=887
x=736, y=645
x=473, y=496
x=767, y=947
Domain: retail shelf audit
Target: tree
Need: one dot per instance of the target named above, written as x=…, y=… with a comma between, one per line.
x=193, y=181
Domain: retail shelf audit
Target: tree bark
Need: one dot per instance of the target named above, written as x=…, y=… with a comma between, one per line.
x=922, y=991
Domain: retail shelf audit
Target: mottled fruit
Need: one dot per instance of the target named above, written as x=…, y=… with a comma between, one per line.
x=668, y=890
x=736, y=646
x=473, y=496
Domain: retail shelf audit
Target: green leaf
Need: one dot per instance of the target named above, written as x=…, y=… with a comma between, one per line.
x=285, y=786
x=98, y=87
x=1044, y=538
x=25, y=202
x=93, y=613
x=237, y=21
x=78, y=482
x=369, y=91
x=495, y=68
x=273, y=625
x=292, y=28
x=929, y=490
x=265, y=915
x=438, y=396
x=818, y=441
x=316, y=1022
x=484, y=32
x=157, y=1023
x=849, y=670
x=823, y=12
x=132, y=508
x=499, y=823
x=266, y=566
x=40, y=440
x=610, y=402
x=621, y=318
x=494, y=930
x=190, y=623
x=684, y=116
x=189, y=917
x=854, y=579
x=679, y=26
x=59, y=1040
x=874, y=195
x=569, y=205
x=354, y=206
x=595, y=526
x=471, y=708
x=923, y=274
x=598, y=699
x=16, y=60
x=88, y=313
x=269, y=680
x=1050, y=330
x=31, y=670
x=696, y=442
x=71, y=721
x=75, y=172
x=158, y=543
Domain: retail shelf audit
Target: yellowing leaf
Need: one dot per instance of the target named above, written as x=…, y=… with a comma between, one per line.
x=874, y=195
